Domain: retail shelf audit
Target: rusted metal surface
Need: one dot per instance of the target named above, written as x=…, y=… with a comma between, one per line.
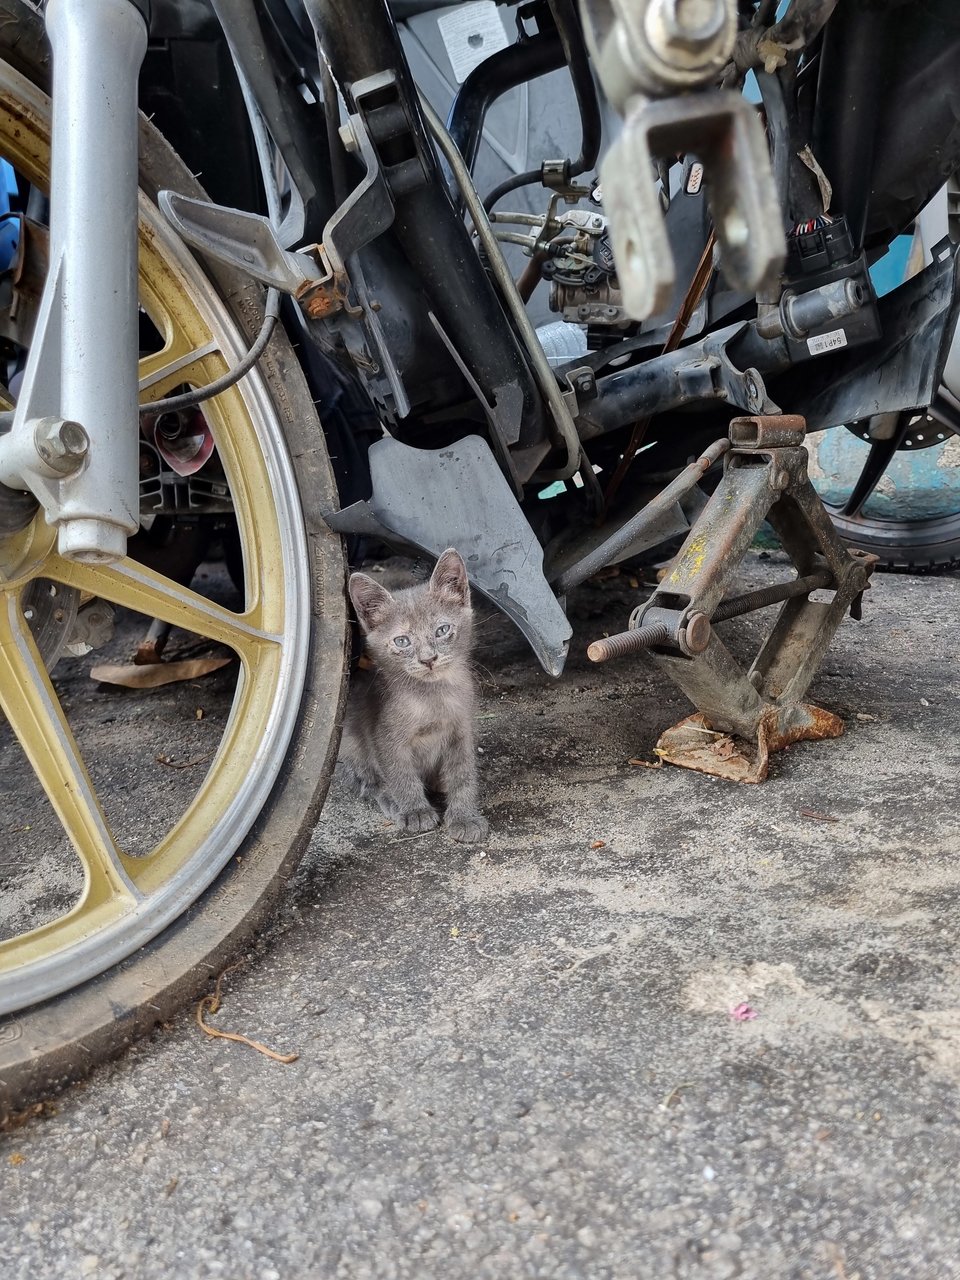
x=22, y=284
x=736, y=606
x=696, y=634
x=151, y=647
x=768, y=431
x=619, y=646
x=744, y=715
x=322, y=298
x=694, y=744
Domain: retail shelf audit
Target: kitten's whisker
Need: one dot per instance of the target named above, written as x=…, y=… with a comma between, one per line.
x=485, y=678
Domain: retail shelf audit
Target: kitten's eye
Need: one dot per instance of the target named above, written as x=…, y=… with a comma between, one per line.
x=442, y=630
x=402, y=642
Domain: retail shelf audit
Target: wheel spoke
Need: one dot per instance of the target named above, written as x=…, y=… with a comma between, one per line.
x=136, y=587
x=894, y=429
x=174, y=364
x=34, y=713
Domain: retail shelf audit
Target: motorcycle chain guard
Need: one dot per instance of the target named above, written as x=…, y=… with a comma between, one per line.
x=457, y=496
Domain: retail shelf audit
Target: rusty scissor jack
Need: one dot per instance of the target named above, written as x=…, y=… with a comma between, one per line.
x=744, y=715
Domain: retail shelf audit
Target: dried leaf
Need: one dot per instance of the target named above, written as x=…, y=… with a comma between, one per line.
x=160, y=673
x=14, y=1119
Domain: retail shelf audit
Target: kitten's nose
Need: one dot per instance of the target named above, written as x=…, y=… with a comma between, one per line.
x=429, y=661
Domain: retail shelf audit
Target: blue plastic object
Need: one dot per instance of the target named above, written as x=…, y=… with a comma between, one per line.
x=9, y=227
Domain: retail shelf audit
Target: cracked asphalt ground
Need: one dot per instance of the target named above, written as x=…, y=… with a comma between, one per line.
x=520, y=1061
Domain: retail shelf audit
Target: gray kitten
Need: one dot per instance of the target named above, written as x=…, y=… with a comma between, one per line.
x=409, y=725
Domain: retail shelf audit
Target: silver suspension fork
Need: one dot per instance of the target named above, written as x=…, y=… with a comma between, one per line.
x=74, y=437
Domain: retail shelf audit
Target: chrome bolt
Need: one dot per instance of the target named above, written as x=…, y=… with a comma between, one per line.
x=61, y=444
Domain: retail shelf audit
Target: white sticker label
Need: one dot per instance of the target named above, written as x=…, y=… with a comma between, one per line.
x=470, y=34
x=695, y=179
x=822, y=342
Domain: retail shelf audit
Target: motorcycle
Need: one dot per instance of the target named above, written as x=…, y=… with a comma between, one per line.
x=338, y=336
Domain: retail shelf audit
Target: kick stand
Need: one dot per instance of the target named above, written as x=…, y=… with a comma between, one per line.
x=744, y=715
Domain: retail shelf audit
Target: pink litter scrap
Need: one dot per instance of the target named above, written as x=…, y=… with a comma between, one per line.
x=743, y=1012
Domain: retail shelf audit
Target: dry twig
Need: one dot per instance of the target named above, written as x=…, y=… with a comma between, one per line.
x=210, y=1004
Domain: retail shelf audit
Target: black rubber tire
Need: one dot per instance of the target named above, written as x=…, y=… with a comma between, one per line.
x=905, y=546
x=51, y=1044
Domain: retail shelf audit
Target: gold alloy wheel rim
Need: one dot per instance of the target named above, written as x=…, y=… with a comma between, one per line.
x=127, y=900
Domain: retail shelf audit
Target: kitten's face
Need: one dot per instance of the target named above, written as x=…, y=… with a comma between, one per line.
x=420, y=635
x=419, y=632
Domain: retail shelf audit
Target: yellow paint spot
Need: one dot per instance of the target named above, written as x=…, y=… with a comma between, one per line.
x=691, y=563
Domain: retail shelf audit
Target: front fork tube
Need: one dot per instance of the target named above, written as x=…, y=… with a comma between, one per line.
x=82, y=364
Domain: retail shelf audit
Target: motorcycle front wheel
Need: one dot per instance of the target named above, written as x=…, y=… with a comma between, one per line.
x=170, y=881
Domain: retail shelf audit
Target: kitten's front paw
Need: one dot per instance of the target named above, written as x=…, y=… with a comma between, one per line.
x=468, y=828
x=419, y=820
x=352, y=781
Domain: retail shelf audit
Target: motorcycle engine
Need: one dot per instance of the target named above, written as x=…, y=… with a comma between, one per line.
x=582, y=275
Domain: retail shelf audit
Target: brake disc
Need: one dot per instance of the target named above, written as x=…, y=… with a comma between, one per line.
x=926, y=431
x=50, y=610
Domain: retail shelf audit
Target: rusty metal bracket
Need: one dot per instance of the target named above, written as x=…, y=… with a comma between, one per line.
x=744, y=715
x=326, y=279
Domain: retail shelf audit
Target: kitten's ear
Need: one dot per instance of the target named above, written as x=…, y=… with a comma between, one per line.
x=370, y=600
x=449, y=580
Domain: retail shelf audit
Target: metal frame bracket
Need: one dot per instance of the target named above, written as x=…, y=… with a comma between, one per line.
x=725, y=133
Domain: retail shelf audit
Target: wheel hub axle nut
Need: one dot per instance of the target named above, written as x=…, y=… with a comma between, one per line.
x=694, y=33
x=61, y=443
